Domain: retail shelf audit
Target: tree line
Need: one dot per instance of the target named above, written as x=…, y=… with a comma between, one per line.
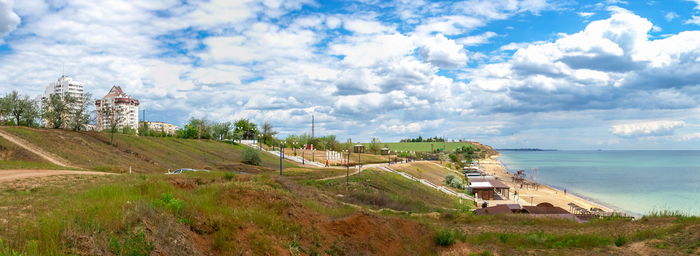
x=421, y=139
x=57, y=111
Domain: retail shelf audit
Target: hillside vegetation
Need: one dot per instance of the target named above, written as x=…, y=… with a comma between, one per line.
x=92, y=150
x=252, y=210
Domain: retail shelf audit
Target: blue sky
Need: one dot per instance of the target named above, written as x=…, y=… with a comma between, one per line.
x=514, y=73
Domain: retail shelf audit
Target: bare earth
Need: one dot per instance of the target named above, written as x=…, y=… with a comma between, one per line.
x=12, y=175
x=534, y=196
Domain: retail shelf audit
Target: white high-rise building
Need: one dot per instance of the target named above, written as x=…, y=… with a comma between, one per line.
x=125, y=110
x=65, y=85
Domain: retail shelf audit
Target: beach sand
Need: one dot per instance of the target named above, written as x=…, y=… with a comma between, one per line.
x=532, y=196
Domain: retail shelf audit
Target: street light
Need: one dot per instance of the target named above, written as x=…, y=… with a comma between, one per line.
x=281, y=156
x=347, y=167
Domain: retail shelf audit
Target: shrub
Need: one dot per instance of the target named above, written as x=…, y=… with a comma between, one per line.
x=620, y=241
x=132, y=245
x=449, y=178
x=251, y=156
x=445, y=238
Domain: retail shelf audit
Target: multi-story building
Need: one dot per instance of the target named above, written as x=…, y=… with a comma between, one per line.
x=117, y=108
x=63, y=86
x=161, y=127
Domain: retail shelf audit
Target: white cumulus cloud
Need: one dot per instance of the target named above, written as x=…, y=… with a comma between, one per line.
x=8, y=18
x=646, y=128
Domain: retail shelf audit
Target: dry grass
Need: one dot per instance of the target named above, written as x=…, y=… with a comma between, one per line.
x=143, y=154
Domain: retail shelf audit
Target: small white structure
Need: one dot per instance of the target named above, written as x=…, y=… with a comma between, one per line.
x=333, y=155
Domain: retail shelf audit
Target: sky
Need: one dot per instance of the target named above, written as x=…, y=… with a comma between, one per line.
x=559, y=74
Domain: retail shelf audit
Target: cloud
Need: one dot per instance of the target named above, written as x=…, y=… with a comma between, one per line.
x=8, y=18
x=693, y=20
x=585, y=14
x=647, y=128
x=477, y=39
x=670, y=16
x=443, y=52
x=604, y=66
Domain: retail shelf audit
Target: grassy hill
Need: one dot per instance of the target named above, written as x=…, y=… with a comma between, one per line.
x=258, y=212
x=92, y=150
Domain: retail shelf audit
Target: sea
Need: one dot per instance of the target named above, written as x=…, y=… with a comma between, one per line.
x=634, y=182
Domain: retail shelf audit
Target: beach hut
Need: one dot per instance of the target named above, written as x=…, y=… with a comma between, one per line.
x=359, y=148
x=488, y=187
x=385, y=151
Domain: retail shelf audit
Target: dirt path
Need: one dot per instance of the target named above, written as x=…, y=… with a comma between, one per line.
x=12, y=175
x=34, y=149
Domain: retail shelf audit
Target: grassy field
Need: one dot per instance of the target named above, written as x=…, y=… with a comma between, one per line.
x=91, y=150
x=14, y=157
x=425, y=170
x=379, y=189
x=421, y=146
x=198, y=214
x=252, y=210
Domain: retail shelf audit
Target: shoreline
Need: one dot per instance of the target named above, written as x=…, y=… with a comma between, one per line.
x=545, y=193
x=606, y=206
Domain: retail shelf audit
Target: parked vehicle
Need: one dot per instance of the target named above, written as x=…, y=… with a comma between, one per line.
x=184, y=170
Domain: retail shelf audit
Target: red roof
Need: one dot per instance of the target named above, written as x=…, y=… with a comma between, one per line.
x=498, y=209
x=544, y=210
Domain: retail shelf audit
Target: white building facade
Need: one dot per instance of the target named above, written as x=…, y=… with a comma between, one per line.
x=117, y=108
x=161, y=127
x=63, y=86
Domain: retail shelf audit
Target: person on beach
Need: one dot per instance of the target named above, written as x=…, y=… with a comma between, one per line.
x=564, y=191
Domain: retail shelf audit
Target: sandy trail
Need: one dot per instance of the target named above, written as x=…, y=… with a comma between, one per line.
x=36, y=150
x=12, y=175
x=528, y=196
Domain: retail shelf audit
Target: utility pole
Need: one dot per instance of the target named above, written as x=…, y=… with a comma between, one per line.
x=347, y=169
x=302, y=156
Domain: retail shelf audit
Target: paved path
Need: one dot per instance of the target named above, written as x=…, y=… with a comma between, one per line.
x=11, y=175
x=34, y=149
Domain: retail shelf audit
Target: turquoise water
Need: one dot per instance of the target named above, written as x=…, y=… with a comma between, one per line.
x=637, y=182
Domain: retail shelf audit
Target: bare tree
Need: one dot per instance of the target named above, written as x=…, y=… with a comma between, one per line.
x=111, y=117
x=80, y=112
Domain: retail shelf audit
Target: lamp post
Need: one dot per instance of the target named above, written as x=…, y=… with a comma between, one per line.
x=347, y=167
x=359, y=163
x=281, y=156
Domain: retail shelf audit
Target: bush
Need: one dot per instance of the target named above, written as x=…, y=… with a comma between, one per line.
x=620, y=241
x=251, y=156
x=445, y=238
x=449, y=178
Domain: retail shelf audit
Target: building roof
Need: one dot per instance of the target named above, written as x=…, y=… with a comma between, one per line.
x=492, y=182
x=544, y=210
x=480, y=184
x=498, y=209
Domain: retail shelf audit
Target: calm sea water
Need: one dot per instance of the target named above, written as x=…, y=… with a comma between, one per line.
x=636, y=182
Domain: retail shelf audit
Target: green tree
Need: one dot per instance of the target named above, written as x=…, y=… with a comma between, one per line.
x=200, y=125
x=374, y=146
x=18, y=107
x=245, y=130
x=220, y=131
x=56, y=110
x=268, y=135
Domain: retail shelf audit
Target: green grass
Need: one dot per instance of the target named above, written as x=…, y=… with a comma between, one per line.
x=378, y=189
x=92, y=150
x=17, y=164
x=421, y=146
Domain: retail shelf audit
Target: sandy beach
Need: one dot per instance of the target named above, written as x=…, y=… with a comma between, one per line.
x=533, y=196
